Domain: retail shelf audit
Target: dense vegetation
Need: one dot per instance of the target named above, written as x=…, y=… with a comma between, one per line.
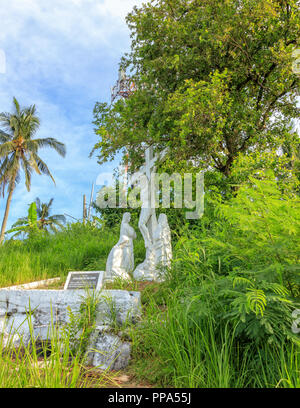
x=44, y=255
x=213, y=82
x=228, y=303
x=223, y=318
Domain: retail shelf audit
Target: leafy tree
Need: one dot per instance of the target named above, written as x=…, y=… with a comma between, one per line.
x=44, y=220
x=257, y=164
x=26, y=225
x=213, y=79
x=18, y=148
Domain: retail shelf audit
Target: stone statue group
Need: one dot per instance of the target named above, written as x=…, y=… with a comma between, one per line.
x=120, y=262
x=156, y=234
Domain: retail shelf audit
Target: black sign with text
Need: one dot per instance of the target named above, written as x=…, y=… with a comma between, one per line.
x=83, y=280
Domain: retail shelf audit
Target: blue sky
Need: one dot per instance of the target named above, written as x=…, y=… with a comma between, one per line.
x=62, y=56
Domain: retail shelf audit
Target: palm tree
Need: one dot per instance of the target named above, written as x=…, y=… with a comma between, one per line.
x=38, y=218
x=18, y=148
x=4, y=179
x=45, y=220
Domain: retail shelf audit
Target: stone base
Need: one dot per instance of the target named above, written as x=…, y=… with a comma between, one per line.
x=111, y=276
x=48, y=308
x=107, y=351
x=143, y=274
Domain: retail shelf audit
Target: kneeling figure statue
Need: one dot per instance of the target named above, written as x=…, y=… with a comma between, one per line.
x=120, y=261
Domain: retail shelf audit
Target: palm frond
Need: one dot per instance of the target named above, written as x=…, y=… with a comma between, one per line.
x=20, y=221
x=46, y=208
x=53, y=228
x=35, y=144
x=4, y=137
x=27, y=171
x=31, y=122
x=38, y=206
x=34, y=164
x=50, y=203
x=5, y=121
x=6, y=148
x=40, y=166
x=58, y=218
x=16, y=105
x=10, y=170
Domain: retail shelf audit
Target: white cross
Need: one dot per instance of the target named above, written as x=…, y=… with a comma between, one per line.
x=150, y=161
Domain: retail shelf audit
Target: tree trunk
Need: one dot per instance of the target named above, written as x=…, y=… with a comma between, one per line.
x=5, y=218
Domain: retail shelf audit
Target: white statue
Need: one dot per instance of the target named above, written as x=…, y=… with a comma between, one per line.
x=162, y=243
x=158, y=255
x=120, y=261
x=155, y=235
x=147, y=219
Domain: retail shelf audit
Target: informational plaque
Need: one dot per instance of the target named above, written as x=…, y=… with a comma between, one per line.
x=84, y=280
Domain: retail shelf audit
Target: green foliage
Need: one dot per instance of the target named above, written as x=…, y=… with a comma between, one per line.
x=38, y=220
x=223, y=318
x=261, y=235
x=188, y=345
x=259, y=165
x=54, y=363
x=41, y=256
x=19, y=148
x=248, y=264
x=157, y=292
x=26, y=226
x=173, y=349
x=82, y=324
x=213, y=80
x=46, y=221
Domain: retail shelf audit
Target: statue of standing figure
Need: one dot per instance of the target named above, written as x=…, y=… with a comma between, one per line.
x=120, y=262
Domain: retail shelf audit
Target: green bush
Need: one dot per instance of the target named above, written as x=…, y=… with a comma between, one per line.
x=230, y=297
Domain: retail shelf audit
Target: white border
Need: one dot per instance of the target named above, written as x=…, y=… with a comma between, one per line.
x=33, y=285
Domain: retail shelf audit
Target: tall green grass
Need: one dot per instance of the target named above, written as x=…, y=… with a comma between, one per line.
x=77, y=247
x=209, y=327
x=179, y=352
x=173, y=348
x=223, y=318
x=58, y=362
x=279, y=367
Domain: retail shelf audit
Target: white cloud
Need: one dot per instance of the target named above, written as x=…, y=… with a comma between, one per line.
x=43, y=38
x=76, y=20
x=62, y=56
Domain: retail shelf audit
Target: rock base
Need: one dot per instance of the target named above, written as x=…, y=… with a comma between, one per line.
x=44, y=309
